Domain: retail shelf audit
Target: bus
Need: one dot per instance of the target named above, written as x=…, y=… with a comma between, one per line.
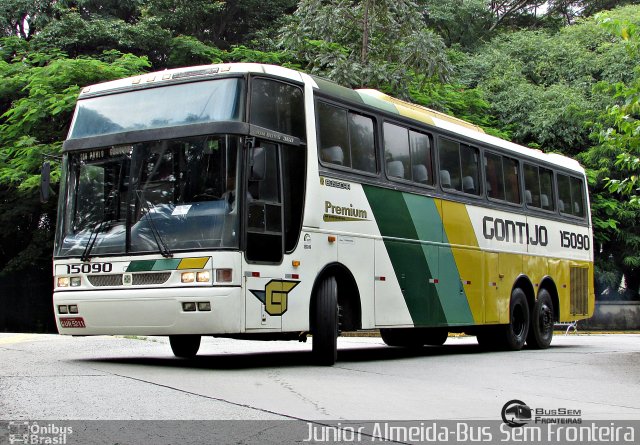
x=256, y=201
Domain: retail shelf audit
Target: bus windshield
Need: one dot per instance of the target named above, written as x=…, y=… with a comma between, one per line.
x=168, y=106
x=157, y=196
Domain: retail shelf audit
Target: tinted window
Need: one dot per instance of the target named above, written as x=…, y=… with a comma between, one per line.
x=363, y=152
x=346, y=138
x=167, y=106
x=396, y=151
x=333, y=135
x=421, y=167
x=407, y=154
x=570, y=195
x=449, y=152
x=502, y=178
x=538, y=184
x=470, y=168
x=512, y=180
x=495, y=176
x=277, y=106
x=459, y=167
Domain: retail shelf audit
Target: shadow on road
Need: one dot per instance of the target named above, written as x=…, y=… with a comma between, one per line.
x=270, y=359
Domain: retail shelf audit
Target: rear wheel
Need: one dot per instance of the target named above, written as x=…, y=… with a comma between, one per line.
x=541, y=329
x=513, y=335
x=184, y=346
x=325, y=323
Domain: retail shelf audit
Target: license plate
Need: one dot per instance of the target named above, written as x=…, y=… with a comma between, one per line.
x=72, y=322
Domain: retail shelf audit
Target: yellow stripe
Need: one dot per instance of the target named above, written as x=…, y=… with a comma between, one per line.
x=193, y=263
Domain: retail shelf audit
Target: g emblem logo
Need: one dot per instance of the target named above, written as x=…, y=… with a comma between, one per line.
x=275, y=295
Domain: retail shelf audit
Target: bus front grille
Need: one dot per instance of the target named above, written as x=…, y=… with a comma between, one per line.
x=138, y=279
x=579, y=290
x=150, y=278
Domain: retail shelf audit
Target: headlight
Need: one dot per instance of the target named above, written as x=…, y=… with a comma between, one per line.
x=203, y=277
x=188, y=277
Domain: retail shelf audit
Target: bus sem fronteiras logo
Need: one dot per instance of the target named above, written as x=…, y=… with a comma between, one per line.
x=516, y=413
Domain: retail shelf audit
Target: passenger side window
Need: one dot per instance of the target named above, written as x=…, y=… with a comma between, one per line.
x=346, y=138
x=396, y=151
x=459, y=167
x=570, y=196
x=407, y=154
x=538, y=183
x=421, y=165
x=502, y=178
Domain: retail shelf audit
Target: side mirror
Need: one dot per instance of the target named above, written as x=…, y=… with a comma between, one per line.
x=45, y=181
x=258, y=164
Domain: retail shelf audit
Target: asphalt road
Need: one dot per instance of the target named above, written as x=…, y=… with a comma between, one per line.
x=58, y=377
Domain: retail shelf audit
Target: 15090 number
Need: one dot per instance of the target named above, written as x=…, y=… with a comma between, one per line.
x=572, y=240
x=89, y=268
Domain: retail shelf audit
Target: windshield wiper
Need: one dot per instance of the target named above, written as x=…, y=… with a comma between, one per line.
x=93, y=236
x=162, y=246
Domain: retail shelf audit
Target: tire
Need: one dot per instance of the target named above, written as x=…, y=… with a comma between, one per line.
x=414, y=337
x=325, y=323
x=486, y=337
x=541, y=326
x=184, y=346
x=435, y=337
x=511, y=337
x=402, y=337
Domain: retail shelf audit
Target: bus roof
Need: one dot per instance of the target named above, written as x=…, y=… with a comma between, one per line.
x=368, y=97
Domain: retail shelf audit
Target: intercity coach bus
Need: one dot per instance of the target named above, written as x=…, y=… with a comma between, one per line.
x=255, y=201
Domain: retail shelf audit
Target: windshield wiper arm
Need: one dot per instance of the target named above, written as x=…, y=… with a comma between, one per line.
x=162, y=246
x=93, y=236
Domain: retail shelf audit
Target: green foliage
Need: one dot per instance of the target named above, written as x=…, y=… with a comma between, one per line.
x=38, y=92
x=540, y=84
x=378, y=44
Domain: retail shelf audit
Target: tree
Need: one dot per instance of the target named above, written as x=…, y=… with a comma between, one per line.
x=38, y=91
x=24, y=18
x=615, y=165
x=365, y=43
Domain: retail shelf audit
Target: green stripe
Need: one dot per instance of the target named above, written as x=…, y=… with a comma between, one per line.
x=166, y=264
x=141, y=266
x=412, y=218
x=426, y=218
x=410, y=260
x=378, y=103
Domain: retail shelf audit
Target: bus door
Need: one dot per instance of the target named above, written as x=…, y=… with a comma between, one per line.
x=265, y=299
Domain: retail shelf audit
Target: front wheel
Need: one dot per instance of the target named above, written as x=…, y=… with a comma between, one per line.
x=184, y=346
x=325, y=323
x=541, y=329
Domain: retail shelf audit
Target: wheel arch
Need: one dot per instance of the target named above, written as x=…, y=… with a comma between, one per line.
x=349, y=300
x=523, y=282
x=550, y=286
